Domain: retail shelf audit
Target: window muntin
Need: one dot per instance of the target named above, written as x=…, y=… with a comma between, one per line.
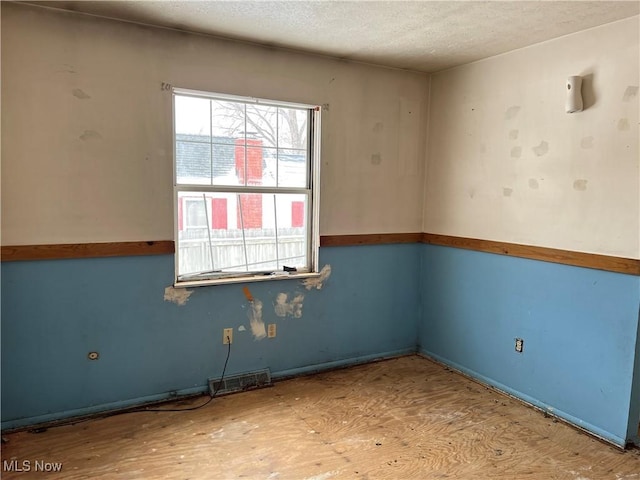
x=246, y=171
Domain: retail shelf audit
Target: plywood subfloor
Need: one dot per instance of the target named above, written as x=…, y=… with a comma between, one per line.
x=406, y=418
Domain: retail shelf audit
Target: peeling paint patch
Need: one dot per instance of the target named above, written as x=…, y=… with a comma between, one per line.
x=580, y=185
x=587, y=142
x=255, y=319
x=541, y=149
x=516, y=152
x=90, y=135
x=533, y=184
x=241, y=328
x=511, y=112
x=285, y=307
x=630, y=93
x=317, y=282
x=506, y=191
x=78, y=93
x=376, y=159
x=179, y=296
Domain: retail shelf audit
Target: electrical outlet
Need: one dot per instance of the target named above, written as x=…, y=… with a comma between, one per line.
x=271, y=330
x=227, y=336
x=519, y=345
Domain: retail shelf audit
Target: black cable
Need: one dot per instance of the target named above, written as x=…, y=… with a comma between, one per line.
x=213, y=395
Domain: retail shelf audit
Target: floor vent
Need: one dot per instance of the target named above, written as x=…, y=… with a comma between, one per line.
x=241, y=382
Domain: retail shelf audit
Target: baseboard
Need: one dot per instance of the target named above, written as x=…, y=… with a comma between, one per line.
x=338, y=364
x=565, y=417
x=80, y=414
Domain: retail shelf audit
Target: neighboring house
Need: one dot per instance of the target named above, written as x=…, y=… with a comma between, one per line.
x=219, y=211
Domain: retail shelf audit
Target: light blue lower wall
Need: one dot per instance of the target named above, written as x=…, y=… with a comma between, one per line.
x=54, y=312
x=579, y=328
x=465, y=308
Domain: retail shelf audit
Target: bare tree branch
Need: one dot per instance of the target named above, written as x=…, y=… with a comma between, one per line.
x=263, y=121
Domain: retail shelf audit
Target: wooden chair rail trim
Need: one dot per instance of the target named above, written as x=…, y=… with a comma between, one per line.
x=86, y=250
x=369, y=239
x=163, y=247
x=566, y=257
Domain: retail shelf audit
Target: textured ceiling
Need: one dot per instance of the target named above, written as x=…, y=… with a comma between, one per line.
x=424, y=36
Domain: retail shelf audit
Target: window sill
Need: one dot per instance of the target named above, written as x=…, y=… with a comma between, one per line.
x=247, y=279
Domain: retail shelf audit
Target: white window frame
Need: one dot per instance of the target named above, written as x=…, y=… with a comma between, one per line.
x=313, y=190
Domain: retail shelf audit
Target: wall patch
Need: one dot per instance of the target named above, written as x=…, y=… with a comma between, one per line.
x=79, y=93
x=90, y=135
x=285, y=307
x=541, y=149
x=623, y=124
x=255, y=319
x=580, y=185
x=587, y=142
x=630, y=93
x=179, y=296
x=511, y=112
x=317, y=282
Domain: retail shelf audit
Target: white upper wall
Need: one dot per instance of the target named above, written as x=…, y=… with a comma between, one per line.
x=87, y=130
x=505, y=162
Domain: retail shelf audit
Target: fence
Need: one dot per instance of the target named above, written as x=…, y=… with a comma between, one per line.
x=200, y=251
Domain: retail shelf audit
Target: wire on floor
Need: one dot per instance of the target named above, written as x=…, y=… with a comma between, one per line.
x=213, y=395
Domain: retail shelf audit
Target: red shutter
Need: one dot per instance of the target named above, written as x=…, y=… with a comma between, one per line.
x=297, y=214
x=219, y=214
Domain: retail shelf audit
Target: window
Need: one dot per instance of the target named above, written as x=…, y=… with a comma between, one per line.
x=246, y=187
x=196, y=216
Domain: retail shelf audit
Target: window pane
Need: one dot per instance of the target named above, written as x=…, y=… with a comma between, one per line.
x=292, y=128
x=291, y=213
x=242, y=232
x=193, y=162
x=228, y=164
x=227, y=119
x=192, y=117
x=262, y=124
x=292, y=168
